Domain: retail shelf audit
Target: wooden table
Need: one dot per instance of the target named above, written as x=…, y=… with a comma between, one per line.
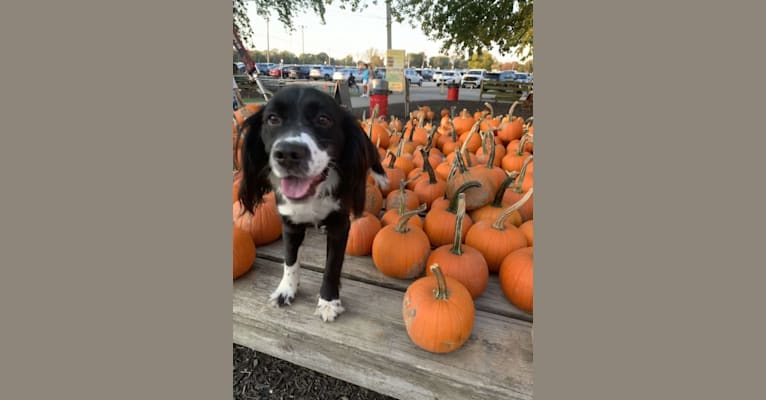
x=368, y=344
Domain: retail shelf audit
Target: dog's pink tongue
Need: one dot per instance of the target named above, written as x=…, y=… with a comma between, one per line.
x=296, y=188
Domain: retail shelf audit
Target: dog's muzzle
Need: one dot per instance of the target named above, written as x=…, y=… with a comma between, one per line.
x=293, y=159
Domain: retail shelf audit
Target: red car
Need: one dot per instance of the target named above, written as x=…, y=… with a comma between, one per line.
x=275, y=72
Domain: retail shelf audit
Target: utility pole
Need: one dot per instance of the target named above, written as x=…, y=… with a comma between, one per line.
x=303, y=43
x=388, y=24
x=268, y=48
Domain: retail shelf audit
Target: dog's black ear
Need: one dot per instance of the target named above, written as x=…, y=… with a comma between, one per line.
x=359, y=155
x=255, y=164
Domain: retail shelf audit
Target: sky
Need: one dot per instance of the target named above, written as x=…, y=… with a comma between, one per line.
x=345, y=33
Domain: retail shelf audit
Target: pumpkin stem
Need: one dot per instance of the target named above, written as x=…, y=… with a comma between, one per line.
x=393, y=159
x=522, y=142
x=499, y=223
x=460, y=162
x=430, y=137
x=510, y=110
x=403, y=192
x=490, y=137
x=458, y=239
x=401, y=146
x=453, y=204
x=498, y=201
x=452, y=132
x=522, y=175
x=427, y=166
x=473, y=130
x=491, y=109
x=401, y=225
x=372, y=121
x=441, y=292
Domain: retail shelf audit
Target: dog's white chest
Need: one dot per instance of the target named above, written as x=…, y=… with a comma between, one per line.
x=312, y=211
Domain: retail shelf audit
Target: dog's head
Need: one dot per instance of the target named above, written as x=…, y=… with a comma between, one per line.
x=303, y=144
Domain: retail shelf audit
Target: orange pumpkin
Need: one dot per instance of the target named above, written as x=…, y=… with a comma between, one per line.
x=438, y=312
x=264, y=225
x=461, y=261
x=517, y=278
x=495, y=240
x=492, y=211
x=400, y=251
x=393, y=173
x=432, y=187
x=463, y=122
x=439, y=223
x=511, y=128
x=361, y=234
x=373, y=199
x=528, y=229
x=516, y=191
x=475, y=197
x=244, y=251
x=402, y=198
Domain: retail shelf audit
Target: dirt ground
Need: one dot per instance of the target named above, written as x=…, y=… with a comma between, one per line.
x=258, y=376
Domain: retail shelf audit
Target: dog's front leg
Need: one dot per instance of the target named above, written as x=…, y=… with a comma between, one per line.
x=292, y=236
x=329, y=306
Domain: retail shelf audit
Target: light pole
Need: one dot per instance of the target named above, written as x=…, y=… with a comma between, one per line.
x=268, y=48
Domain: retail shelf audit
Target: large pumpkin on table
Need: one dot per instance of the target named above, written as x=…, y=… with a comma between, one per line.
x=517, y=278
x=399, y=250
x=438, y=312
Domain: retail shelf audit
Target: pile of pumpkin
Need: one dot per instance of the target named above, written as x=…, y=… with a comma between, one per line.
x=459, y=206
x=249, y=230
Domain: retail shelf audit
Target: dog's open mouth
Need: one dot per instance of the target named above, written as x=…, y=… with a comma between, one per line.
x=298, y=188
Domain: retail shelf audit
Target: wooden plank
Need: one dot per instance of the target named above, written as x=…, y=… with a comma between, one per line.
x=362, y=269
x=368, y=344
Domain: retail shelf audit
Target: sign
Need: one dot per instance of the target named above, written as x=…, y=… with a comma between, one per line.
x=395, y=70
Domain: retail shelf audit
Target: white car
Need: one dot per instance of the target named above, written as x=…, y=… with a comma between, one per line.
x=321, y=72
x=447, y=77
x=473, y=78
x=345, y=73
x=412, y=77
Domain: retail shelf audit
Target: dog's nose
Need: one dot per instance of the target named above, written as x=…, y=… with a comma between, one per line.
x=290, y=152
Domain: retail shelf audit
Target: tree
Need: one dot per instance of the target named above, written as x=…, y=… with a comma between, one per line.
x=415, y=60
x=472, y=26
x=481, y=61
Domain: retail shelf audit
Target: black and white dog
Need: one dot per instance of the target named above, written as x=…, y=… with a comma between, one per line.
x=316, y=158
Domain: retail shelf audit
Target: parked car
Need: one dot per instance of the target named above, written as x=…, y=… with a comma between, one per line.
x=427, y=74
x=379, y=73
x=473, y=78
x=321, y=72
x=507, y=76
x=345, y=73
x=522, y=77
x=298, y=72
x=278, y=72
x=412, y=77
x=265, y=68
x=447, y=77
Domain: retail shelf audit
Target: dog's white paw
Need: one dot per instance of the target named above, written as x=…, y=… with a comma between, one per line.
x=329, y=310
x=288, y=286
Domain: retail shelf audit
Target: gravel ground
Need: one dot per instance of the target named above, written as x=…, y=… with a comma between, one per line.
x=258, y=376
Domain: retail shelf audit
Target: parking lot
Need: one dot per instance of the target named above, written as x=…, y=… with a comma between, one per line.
x=429, y=91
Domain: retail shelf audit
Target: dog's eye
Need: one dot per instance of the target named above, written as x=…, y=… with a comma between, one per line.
x=324, y=121
x=274, y=120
